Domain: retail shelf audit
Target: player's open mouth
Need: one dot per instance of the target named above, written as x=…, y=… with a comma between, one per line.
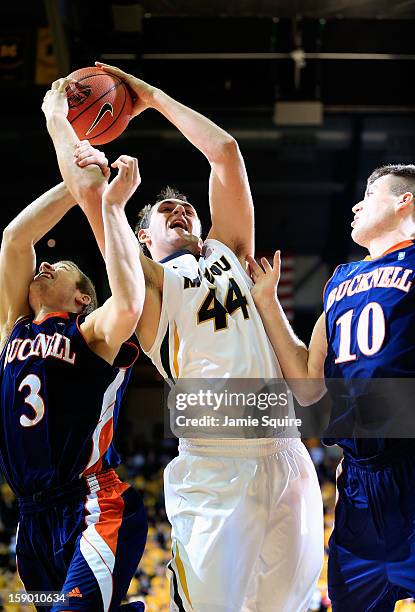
x=45, y=274
x=180, y=224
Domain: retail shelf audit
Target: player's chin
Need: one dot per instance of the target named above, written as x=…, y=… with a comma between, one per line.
x=358, y=237
x=179, y=237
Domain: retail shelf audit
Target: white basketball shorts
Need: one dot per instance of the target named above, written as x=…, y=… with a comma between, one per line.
x=247, y=526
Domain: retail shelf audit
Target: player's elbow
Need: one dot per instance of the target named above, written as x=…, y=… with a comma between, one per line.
x=226, y=149
x=130, y=312
x=12, y=237
x=122, y=324
x=308, y=392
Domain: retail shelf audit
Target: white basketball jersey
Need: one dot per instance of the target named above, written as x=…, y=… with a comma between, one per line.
x=209, y=326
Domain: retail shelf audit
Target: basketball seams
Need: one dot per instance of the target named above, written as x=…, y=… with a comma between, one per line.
x=106, y=90
x=114, y=121
x=97, y=100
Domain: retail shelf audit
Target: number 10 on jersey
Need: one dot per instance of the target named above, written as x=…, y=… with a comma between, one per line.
x=370, y=332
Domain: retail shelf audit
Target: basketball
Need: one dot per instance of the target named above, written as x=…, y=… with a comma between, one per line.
x=100, y=105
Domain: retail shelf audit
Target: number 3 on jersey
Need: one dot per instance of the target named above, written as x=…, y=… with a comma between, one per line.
x=212, y=309
x=34, y=400
x=370, y=332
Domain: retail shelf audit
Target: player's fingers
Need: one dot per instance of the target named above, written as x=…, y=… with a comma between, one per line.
x=277, y=261
x=136, y=172
x=78, y=152
x=87, y=160
x=132, y=167
x=55, y=85
x=65, y=84
x=254, y=267
x=91, y=152
x=266, y=265
x=118, y=162
x=122, y=168
x=123, y=171
x=131, y=162
x=61, y=84
x=82, y=145
x=110, y=69
x=126, y=158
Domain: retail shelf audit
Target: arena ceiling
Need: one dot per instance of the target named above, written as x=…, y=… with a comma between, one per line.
x=285, y=8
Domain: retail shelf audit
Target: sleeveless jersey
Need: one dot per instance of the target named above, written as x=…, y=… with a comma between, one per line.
x=210, y=329
x=370, y=326
x=209, y=326
x=59, y=403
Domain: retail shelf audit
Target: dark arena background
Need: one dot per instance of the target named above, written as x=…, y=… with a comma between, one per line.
x=317, y=93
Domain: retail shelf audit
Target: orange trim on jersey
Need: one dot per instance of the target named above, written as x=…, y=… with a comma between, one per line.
x=97, y=467
x=396, y=247
x=105, y=439
x=137, y=352
x=112, y=507
x=62, y=315
x=106, y=436
x=118, y=367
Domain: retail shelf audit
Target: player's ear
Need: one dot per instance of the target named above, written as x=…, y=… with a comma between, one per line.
x=144, y=237
x=82, y=299
x=405, y=200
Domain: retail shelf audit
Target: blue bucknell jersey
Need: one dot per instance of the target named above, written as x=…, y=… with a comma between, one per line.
x=59, y=403
x=370, y=326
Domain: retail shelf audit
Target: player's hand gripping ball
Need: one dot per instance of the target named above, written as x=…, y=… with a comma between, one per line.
x=100, y=105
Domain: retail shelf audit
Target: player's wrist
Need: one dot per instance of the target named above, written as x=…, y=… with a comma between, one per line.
x=158, y=97
x=54, y=117
x=113, y=205
x=264, y=300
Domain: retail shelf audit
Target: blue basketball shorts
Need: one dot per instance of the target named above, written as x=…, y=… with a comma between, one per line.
x=87, y=548
x=372, y=547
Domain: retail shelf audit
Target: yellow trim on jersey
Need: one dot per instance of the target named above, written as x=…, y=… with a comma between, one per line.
x=182, y=574
x=176, y=351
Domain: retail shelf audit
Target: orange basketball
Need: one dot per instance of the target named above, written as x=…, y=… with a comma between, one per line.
x=100, y=105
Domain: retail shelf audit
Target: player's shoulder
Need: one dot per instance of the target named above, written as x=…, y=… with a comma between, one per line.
x=10, y=330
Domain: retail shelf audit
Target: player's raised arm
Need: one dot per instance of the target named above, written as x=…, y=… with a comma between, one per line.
x=17, y=254
x=296, y=360
x=153, y=272
x=85, y=183
x=229, y=192
x=109, y=326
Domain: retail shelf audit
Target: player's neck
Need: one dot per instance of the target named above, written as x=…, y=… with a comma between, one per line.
x=159, y=254
x=379, y=245
x=42, y=311
x=164, y=254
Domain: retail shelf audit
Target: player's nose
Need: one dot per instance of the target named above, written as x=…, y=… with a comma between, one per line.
x=179, y=213
x=179, y=209
x=45, y=266
x=357, y=207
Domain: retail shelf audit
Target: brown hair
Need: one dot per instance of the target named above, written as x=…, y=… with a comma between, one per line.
x=85, y=285
x=404, y=173
x=144, y=216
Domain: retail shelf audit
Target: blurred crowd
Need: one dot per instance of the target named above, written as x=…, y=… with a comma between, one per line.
x=144, y=470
